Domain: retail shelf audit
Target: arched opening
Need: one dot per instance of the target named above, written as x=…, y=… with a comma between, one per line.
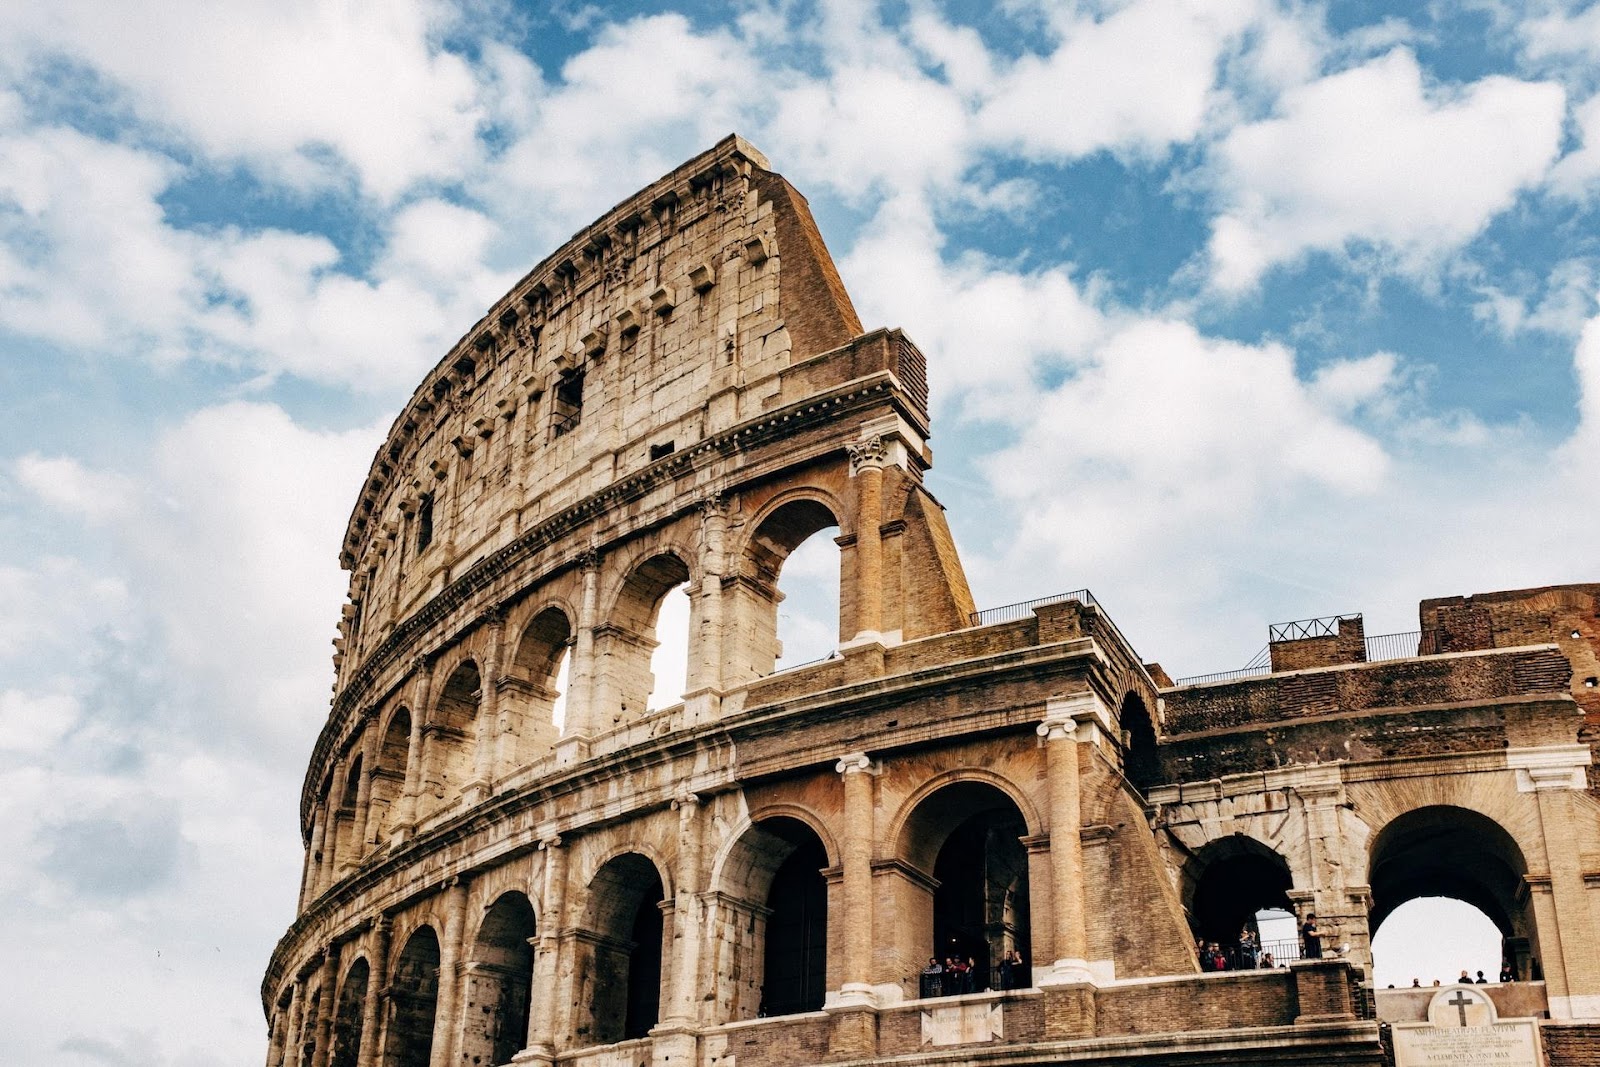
x=413, y=1000
x=620, y=953
x=797, y=621
x=776, y=959
x=388, y=776
x=347, y=850
x=535, y=685
x=1453, y=853
x=669, y=661
x=453, y=735
x=1226, y=885
x=968, y=837
x=499, y=983
x=1141, y=762
x=347, y=1016
x=625, y=674
x=1431, y=939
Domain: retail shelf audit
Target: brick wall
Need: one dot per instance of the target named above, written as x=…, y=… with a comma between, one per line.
x=1571, y=1046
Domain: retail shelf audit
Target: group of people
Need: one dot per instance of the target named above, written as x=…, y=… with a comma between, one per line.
x=957, y=975
x=1244, y=956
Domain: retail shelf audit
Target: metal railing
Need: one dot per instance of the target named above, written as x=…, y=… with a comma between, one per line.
x=1379, y=648
x=1300, y=629
x=1223, y=676
x=1023, y=608
x=1393, y=646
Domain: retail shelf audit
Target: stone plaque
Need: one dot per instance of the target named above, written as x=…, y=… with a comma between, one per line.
x=963, y=1024
x=1463, y=1030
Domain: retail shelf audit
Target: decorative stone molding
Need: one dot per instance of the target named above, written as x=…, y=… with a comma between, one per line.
x=857, y=763
x=1549, y=767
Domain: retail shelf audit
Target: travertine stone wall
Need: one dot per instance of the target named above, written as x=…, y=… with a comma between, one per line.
x=680, y=396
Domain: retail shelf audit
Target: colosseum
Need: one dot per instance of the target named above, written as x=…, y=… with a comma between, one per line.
x=513, y=857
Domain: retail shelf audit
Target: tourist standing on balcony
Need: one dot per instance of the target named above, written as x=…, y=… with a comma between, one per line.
x=1310, y=938
x=932, y=976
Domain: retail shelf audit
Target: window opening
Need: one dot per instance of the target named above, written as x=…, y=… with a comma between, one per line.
x=566, y=409
x=424, y=521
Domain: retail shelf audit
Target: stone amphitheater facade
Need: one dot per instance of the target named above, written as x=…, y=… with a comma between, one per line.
x=757, y=874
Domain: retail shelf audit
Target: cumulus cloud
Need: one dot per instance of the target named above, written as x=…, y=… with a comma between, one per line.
x=1138, y=79
x=89, y=260
x=361, y=91
x=1372, y=156
x=1577, y=174
x=65, y=483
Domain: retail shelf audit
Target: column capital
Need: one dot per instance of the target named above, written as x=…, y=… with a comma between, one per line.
x=549, y=844
x=867, y=453
x=589, y=558
x=686, y=801
x=857, y=763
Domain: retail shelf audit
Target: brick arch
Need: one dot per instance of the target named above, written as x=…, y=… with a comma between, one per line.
x=843, y=514
x=1492, y=795
x=898, y=825
x=650, y=852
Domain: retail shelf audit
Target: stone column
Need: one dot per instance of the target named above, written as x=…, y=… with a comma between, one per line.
x=854, y=1028
x=330, y=836
x=447, y=1016
x=319, y=832
x=488, y=727
x=297, y=1009
x=579, y=726
x=855, y=853
x=866, y=467
x=422, y=694
x=1570, y=970
x=705, y=681
x=324, y=1034
x=541, y=1047
x=308, y=866
x=369, y=767
x=377, y=983
x=1068, y=721
x=683, y=1000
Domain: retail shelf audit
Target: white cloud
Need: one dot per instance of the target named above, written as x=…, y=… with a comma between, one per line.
x=1139, y=79
x=65, y=483
x=1371, y=156
x=281, y=85
x=1577, y=174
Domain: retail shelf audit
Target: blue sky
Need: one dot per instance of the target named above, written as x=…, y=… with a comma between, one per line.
x=1237, y=312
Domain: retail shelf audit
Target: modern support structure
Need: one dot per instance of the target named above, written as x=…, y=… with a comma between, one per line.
x=497, y=872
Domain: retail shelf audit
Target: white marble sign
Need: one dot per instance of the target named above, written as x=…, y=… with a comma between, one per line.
x=1463, y=1030
x=963, y=1024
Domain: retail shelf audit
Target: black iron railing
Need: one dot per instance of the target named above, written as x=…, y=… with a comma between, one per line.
x=1393, y=646
x=1300, y=629
x=1023, y=608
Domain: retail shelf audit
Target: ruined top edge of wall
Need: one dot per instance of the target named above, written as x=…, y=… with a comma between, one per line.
x=711, y=225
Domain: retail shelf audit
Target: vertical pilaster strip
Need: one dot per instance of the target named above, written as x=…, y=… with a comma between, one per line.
x=447, y=1015
x=297, y=1010
x=1575, y=971
x=324, y=1034
x=708, y=636
x=488, y=728
x=422, y=695
x=686, y=914
x=1066, y=851
x=542, y=1013
x=866, y=467
x=369, y=766
x=377, y=986
x=319, y=832
x=330, y=837
x=580, y=699
x=855, y=851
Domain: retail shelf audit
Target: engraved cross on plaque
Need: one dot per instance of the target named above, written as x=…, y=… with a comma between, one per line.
x=1459, y=1002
